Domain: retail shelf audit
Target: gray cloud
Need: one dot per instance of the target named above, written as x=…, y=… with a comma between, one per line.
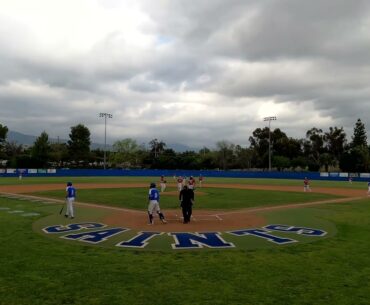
x=193, y=74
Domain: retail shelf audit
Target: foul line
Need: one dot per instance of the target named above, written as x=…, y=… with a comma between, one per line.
x=56, y=201
x=290, y=206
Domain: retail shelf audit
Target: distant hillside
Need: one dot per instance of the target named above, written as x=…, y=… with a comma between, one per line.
x=20, y=138
x=23, y=139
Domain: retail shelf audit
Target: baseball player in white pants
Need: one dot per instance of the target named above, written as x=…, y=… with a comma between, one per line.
x=70, y=198
x=180, y=182
x=153, y=204
x=163, y=184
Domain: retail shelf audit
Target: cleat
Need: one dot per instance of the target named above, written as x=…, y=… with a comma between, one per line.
x=164, y=221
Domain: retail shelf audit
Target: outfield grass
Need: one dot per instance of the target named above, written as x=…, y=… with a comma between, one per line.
x=39, y=270
x=288, y=182
x=211, y=198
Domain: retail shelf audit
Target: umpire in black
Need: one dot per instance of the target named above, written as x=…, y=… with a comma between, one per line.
x=186, y=198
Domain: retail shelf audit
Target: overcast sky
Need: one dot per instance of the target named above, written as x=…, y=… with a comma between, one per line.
x=191, y=72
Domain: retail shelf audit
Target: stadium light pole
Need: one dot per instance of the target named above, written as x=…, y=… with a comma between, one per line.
x=269, y=119
x=105, y=116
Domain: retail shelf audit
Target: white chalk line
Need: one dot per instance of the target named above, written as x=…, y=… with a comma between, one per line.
x=218, y=217
x=58, y=201
x=290, y=206
x=193, y=218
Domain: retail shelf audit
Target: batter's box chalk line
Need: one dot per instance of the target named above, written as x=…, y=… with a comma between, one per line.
x=196, y=218
x=30, y=214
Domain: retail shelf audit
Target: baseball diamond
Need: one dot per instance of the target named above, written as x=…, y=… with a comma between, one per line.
x=216, y=224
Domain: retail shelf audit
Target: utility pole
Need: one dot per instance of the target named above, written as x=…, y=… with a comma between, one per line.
x=105, y=116
x=269, y=119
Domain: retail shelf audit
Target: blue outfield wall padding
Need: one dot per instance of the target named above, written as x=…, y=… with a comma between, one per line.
x=185, y=173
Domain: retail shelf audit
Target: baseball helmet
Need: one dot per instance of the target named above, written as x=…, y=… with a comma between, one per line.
x=69, y=183
x=152, y=185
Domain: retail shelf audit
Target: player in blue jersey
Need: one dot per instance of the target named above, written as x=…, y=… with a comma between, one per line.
x=153, y=204
x=70, y=198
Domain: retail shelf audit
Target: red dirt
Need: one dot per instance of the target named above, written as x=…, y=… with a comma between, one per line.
x=203, y=220
x=176, y=193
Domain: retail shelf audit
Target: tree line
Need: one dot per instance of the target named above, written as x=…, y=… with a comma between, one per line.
x=319, y=150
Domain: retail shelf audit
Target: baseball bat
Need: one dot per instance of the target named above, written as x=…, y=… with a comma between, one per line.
x=61, y=210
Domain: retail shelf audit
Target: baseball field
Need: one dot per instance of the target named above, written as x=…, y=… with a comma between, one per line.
x=250, y=241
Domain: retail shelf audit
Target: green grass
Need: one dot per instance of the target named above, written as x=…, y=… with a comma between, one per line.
x=49, y=180
x=289, y=182
x=213, y=198
x=39, y=270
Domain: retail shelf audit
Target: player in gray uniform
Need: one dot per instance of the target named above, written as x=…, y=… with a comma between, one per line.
x=306, y=185
x=163, y=184
x=180, y=182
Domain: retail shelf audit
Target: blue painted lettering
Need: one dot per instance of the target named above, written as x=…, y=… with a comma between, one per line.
x=297, y=230
x=95, y=236
x=72, y=227
x=198, y=240
x=263, y=234
x=139, y=241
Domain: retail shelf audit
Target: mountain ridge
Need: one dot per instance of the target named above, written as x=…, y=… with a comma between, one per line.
x=25, y=139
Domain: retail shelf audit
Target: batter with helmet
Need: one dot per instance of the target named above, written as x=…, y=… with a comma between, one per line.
x=153, y=204
x=70, y=198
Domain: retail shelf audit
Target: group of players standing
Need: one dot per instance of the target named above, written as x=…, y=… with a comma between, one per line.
x=186, y=189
